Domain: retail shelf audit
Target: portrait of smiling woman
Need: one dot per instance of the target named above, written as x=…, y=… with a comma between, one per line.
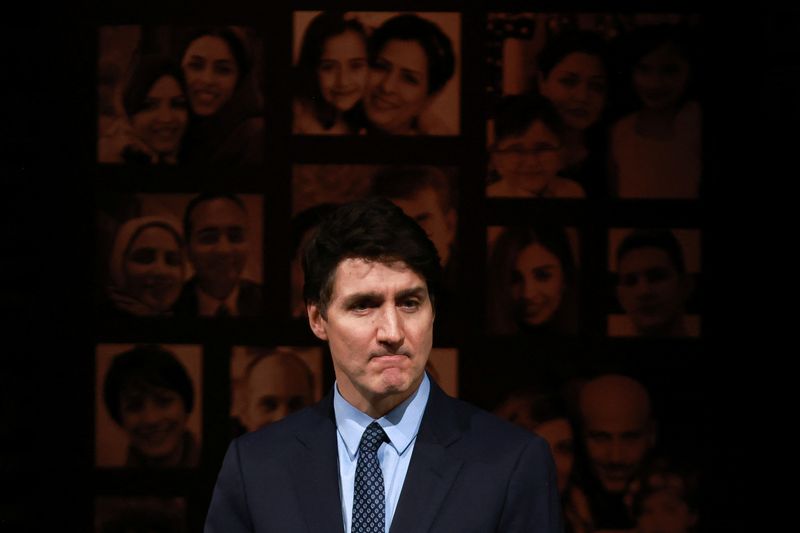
x=148, y=406
x=155, y=116
x=411, y=60
x=227, y=126
x=147, y=267
x=329, y=75
x=532, y=282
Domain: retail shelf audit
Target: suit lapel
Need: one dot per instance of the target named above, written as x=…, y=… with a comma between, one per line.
x=432, y=470
x=316, y=472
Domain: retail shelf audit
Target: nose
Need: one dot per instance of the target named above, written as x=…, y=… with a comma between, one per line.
x=206, y=75
x=151, y=413
x=532, y=291
x=581, y=92
x=389, y=82
x=389, y=329
x=164, y=113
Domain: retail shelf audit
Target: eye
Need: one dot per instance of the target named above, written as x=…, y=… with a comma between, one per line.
x=196, y=65
x=150, y=104
x=132, y=404
x=269, y=404
x=165, y=400
x=542, y=274
x=656, y=275
x=381, y=65
x=296, y=403
x=224, y=69
x=179, y=102
x=597, y=87
x=143, y=256
x=236, y=235
x=411, y=79
x=327, y=66
x=208, y=236
x=172, y=258
x=568, y=81
x=357, y=64
x=410, y=304
x=628, y=280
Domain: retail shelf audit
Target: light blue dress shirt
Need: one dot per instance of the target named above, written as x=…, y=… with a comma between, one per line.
x=401, y=425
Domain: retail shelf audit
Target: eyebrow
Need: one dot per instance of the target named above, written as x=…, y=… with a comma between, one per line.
x=418, y=292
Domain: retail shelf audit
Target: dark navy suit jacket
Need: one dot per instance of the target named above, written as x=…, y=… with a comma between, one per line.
x=469, y=472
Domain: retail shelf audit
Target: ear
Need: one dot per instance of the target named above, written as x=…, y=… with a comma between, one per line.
x=317, y=322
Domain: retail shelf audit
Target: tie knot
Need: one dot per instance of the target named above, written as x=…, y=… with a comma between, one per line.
x=372, y=438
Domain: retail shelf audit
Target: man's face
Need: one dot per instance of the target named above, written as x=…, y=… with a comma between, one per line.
x=218, y=244
x=276, y=386
x=651, y=290
x=617, y=440
x=379, y=326
x=425, y=209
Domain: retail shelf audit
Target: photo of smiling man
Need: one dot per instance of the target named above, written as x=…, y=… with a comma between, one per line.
x=376, y=73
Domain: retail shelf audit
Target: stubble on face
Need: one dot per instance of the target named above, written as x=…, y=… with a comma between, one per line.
x=379, y=326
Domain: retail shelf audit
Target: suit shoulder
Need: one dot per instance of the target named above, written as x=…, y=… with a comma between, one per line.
x=281, y=435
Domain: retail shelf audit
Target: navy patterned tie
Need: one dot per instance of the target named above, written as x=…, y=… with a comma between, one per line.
x=369, y=505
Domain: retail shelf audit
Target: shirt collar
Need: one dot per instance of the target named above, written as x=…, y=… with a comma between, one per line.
x=401, y=424
x=207, y=305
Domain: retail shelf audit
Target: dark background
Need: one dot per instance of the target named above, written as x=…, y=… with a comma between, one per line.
x=48, y=131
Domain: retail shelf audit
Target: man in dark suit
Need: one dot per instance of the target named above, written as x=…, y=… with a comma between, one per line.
x=215, y=227
x=386, y=450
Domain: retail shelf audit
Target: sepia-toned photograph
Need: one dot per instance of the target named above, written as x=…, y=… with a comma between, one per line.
x=148, y=401
x=268, y=384
x=139, y=514
x=624, y=87
x=180, y=255
x=442, y=367
x=180, y=95
x=655, y=273
x=378, y=73
x=425, y=193
x=533, y=279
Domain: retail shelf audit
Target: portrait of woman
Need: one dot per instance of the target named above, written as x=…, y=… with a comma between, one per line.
x=573, y=75
x=227, y=125
x=155, y=116
x=532, y=282
x=147, y=267
x=528, y=151
x=547, y=416
x=330, y=75
x=411, y=60
x=656, y=151
x=148, y=393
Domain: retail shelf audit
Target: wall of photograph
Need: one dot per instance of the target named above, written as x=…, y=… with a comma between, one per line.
x=556, y=160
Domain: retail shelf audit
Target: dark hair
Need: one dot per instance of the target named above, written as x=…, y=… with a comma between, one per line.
x=144, y=75
x=436, y=44
x=306, y=220
x=373, y=229
x=199, y=199
x=234, y=42
x=570, y=42
x=509, y=244
x=306, y=81
x=406, y=181
x=145, y=366
x=654, y=238
x=515, y=114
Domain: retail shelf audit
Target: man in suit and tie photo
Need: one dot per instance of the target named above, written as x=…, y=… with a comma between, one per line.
x=386, y=450
x=216, y=231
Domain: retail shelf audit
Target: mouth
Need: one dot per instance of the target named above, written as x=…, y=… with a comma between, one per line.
x=344, y=93
x=382, y=103
x=204, y=96
x=577, y=112
x=390, y=358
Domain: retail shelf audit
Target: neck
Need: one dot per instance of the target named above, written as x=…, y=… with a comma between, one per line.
x=575, y=146
x=218, y=290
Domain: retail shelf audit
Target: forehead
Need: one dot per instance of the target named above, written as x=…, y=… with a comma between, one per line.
x=536, y=132
x=580, y=63
x=210, y=47
x=646, y=258
x=665, y=53
x=164, y=86
x=406, y=54
x=349, y=44
x=536, y=255
x=154, y=237
x=357, y=275
x=218, y=212
x=277, y=373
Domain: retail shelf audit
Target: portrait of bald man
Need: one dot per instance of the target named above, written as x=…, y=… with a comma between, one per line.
x=618, y=433
x=275, y=383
